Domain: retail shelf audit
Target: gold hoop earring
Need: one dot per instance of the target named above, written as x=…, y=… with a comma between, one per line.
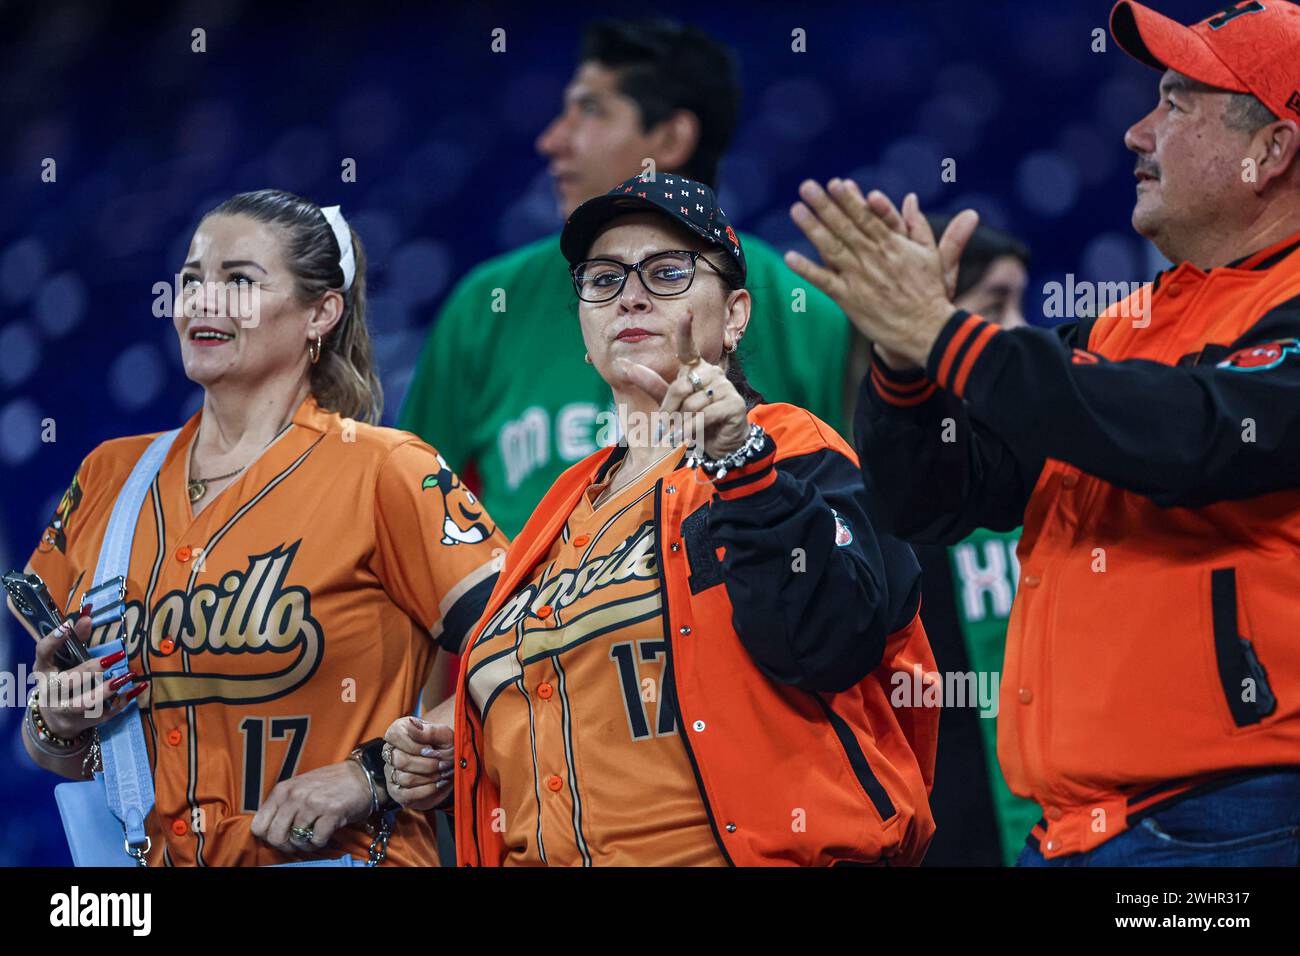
x=313, y=349
x=586, y=356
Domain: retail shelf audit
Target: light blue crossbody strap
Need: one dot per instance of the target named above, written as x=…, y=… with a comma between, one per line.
x=128, y=782
x=115, y=549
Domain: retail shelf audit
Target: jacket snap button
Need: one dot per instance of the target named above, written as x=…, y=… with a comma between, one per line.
x=684, y=629
x=731, y=828
x=183, y=554
x=671, y=490
x=1026, y=695
x=1053, y=813
x=554, y=783
x=179, y=827
x=1175, y=291
x=581, y=540
x=1032, y=580
x=463, y=763
x=1069, y=481
x=674, y=547
x=698, y=725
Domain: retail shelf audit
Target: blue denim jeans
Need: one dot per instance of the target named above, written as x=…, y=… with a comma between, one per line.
x=1255, y=822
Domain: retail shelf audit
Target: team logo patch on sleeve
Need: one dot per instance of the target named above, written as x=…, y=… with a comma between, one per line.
x=464, y=518
x=843, y=533
x=56, y=532
x=1261, y=358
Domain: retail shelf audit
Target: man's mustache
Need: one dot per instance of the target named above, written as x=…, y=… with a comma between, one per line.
x=1147, y=169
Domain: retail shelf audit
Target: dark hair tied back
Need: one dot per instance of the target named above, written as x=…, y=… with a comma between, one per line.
x=344, y=378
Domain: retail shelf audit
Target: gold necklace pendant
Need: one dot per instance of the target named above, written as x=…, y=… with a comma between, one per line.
x=198, y=487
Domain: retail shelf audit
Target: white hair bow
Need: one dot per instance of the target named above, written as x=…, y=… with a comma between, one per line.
x=343, y=235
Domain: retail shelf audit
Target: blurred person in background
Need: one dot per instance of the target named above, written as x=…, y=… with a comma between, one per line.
x=501, y=383
x=969, y=587
x=292, y=558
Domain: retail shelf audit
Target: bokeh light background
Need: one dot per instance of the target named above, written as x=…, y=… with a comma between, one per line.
x=148, y=135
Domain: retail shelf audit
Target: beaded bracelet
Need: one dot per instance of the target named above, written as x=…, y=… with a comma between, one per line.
x=750, y=450
x=69, y=746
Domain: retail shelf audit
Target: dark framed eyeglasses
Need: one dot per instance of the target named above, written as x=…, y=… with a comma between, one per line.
x=664, y=274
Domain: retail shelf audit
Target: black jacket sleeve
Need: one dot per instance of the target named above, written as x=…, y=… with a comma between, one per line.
x=936, y=472
x=814, y=590
x=1223, y=425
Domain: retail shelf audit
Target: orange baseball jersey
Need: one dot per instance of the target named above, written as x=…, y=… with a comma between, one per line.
x=292, y=619
x=567, y=678
x=775, y=676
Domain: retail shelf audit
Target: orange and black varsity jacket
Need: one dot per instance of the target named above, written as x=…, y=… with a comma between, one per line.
x=1154, y=460
x=780, y=678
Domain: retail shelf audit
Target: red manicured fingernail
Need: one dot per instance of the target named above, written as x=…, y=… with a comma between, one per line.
x=117, y=682
x=106, y=662
x=136, y=691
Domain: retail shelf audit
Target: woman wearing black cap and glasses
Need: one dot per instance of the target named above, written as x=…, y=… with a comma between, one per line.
x=689, y=655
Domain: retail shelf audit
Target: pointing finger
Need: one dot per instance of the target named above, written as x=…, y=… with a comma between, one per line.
x=687, y=353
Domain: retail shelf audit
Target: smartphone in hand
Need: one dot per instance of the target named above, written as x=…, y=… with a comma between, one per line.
x=32, y=600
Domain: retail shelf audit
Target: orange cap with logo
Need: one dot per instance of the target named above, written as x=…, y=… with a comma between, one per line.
x=1250, y=47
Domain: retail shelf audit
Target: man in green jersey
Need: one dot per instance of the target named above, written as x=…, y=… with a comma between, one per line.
x=501, y=387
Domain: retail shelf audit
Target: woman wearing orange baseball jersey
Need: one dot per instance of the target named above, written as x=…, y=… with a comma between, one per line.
x=293, y=569
x=687, y=659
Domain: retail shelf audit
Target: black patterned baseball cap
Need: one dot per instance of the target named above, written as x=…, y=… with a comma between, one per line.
x=691, y=203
